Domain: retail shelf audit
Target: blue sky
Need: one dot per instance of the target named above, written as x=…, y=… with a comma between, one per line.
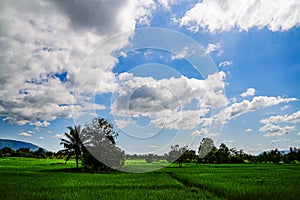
x=164, y=72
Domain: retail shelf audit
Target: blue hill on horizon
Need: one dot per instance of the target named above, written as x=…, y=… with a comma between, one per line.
x=15, y=144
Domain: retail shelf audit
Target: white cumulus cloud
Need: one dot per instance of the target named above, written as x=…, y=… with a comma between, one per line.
x=279, y=125
x=249, y=130
x=275, y=130
x=249, y=92
x=225, y=63
x=224, y=15
x=212, y=48
x=292, y=118
x=25, y=134
x=45, y=40
x=166, y=101
x=246, y=106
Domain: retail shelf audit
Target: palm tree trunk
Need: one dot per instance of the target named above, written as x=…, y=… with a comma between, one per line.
x=76, y=158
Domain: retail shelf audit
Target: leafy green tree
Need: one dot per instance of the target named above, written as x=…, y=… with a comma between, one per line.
x=24, y=152
x=189, y=156
x=73, y=144
x=40, y=153
x=6, y=151
x=49, y=154
x=275, y=156
x=223, y=154
x=149, y=158
x=176, y=154
x=101, y=151
x=207, y=151
x=237, y=156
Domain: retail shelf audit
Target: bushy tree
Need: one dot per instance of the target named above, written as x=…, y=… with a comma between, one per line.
x=100, y=150
x=207, y=151
x=6, y=151
x=24, y=152
x=176, y=154
x=40, y=153
x=149, y=158
x=49, y=154
x=223, y=154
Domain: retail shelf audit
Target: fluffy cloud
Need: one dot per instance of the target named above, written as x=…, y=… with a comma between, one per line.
x=40, y=124
x=212, y=47
x=275, y=130
x=249, y=130
x=200, y=132
x=237, y=109
x=219, y=15
x=181, y=55
x=166, y=102
x=225, y=63
x=292, y=118
x=25, y=134
x=249, y=92
x=272, y=125
x=166, y=4
x=41, y=41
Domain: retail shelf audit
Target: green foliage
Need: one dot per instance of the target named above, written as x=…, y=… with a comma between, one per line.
x=223, y=154
x=149, y=158
x=29, y=178
x=226, y=155
x=101, y=152
x=73, y=144
x=175, y=155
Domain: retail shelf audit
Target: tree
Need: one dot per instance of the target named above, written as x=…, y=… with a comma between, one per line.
x=49, y=154
x=176, y=154
x=149, y=158
x=6, y=151
x=223, y=154
x=40, y=153
x=205, y=147
x=100, y=150
x=73, y=144
x=207, y=151
x=24, y=152
x=237, y=156
x=275, y=156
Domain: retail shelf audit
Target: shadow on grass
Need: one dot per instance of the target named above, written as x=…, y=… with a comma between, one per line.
x=80, y=170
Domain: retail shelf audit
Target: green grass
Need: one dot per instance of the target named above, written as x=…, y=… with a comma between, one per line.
x=263, y=181
x=24, y=178
x=140, y=166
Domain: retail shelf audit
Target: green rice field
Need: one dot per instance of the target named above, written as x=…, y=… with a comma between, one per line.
x=28, y=178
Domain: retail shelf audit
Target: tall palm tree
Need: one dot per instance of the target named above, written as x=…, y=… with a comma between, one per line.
x=73, y=144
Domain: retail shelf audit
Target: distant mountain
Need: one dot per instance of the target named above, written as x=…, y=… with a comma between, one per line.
x=281, y=151
x=15, y=145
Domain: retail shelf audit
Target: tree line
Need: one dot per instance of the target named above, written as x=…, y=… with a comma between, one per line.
x=95, y=146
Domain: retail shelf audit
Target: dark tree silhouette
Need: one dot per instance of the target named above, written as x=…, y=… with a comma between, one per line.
x=73, y=144
x=100, y=150
x=223, y=154
x=177, y=154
